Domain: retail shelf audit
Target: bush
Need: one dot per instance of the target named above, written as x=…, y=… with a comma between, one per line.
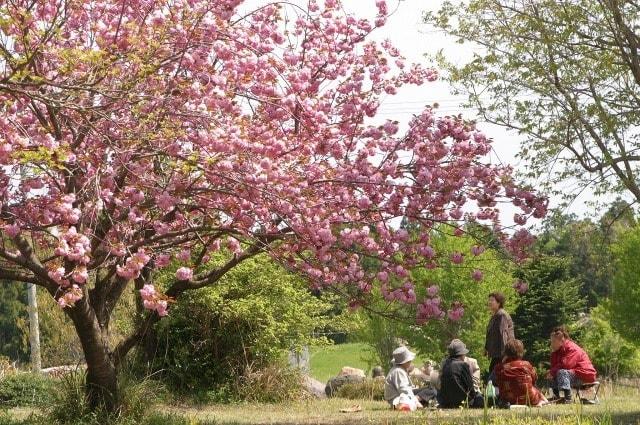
x=369, y=389
x=25, y=389
x=251, y=316
x=272, y=384
x=70, y=407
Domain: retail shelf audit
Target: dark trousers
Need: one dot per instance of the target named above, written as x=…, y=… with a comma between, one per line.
x=491, y=376
x=475, y=401
x=425, y=394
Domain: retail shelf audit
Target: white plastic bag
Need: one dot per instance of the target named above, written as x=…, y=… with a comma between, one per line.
x=411, y=401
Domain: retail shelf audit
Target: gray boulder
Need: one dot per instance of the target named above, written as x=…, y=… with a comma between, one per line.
x=336, y=382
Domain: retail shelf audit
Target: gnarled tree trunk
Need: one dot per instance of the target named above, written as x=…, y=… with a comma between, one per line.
x=102, y=379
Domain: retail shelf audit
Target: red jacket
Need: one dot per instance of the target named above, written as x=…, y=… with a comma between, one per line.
x=516, y=380
x=573, y=358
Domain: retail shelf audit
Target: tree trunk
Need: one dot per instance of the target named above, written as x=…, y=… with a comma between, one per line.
x=102, y=380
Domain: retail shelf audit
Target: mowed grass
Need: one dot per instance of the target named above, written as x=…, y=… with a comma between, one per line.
x=326, y=361
x=617, y=407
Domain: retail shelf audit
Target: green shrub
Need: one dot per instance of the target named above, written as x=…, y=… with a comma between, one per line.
x=274, y=383
x=251, y=316
x=25, y=389
x=70, y=407
x=369, y=389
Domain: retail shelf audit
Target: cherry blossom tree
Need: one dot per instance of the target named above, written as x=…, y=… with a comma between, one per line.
x=142, y=132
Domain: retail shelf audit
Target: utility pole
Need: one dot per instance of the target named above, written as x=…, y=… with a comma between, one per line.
x=34, y=323
x=34, y=328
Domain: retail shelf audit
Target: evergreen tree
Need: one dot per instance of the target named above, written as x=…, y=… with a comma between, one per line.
x=13, y=312
x=553, y=298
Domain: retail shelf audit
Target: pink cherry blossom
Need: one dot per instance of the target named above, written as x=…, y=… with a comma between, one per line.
x=383, y=276
x=429, y=309
x=162, y=260
x=477, y=275
x=520, y=219
x=456, y=312
x=153, y=300
x=477, y=250
x=12, y=230
x=80, y=274
x=520, y=286
x=184, y=255
x=184, y=273
x=70, y=296
x=234, y=245
x=147, y=292
x=457, y=258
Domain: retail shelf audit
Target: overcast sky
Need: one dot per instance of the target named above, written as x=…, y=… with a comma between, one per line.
x=414, y=39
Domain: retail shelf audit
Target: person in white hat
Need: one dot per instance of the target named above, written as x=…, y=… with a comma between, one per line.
x=398, y=389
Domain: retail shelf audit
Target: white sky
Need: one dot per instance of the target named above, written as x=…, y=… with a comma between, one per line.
x=414, y=39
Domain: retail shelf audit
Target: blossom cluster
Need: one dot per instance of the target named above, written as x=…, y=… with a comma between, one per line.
x=153, y=300
x=520, y=286
x=133, y=265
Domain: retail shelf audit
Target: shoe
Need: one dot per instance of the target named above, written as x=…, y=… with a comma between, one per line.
x=565, y=401
x=554, y=400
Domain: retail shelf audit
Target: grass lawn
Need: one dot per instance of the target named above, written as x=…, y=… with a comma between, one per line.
x=617, y=407
x=327, y=361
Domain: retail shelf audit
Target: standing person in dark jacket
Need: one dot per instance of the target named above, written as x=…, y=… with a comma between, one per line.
x=570, y=365
x=456, y=382
x=499, y=330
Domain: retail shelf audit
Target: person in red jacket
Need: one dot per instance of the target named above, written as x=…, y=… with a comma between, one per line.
x=516, y=378
x=570, y=365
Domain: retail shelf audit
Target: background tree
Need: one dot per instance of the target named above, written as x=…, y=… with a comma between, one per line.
x=586, y=244
x=552, y=298
x=625, y=295
x=13, y=315
x=585, y=248
x=139, y=132
x=565, y=74
x=611, y=354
